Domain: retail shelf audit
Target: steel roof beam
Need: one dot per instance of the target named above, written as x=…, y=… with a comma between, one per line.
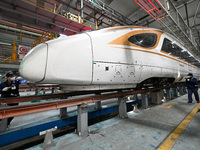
x=107, y=16
x=186, y=11
x=105, y=8
x=41, y=26
x=194, y=20
x=187, y=2
x=45, y=19
x=55, y=21
x=76, y=9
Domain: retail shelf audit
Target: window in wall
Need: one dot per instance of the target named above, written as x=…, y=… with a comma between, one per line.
x=144, y=40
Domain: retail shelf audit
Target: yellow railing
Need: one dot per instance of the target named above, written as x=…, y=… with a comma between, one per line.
x=43, y=38
x=14, y=54
x=68, y=15
x=13, y=57
x=7, y=60
x=10, y=60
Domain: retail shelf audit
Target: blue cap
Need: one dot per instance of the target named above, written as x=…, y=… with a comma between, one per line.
x=9, y=74
x=190, y=74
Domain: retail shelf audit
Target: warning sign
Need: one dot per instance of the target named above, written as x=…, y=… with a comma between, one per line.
x=22, y=51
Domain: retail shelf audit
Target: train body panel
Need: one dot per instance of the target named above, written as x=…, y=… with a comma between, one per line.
x=120, y=62
x=35, y=63
x=119, y=57
x=70, y=60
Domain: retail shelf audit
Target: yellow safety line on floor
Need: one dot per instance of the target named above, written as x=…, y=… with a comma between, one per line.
x=165, y=105
x=174, y=136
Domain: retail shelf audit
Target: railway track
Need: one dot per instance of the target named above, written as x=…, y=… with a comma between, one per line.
x=13, y=111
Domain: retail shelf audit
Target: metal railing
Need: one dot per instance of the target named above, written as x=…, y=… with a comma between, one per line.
x=58, y=104
x=7, y=60
x=43, y=38
x=13, y=57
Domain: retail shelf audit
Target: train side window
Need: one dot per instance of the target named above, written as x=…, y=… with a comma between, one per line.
x=144, y=40
x=167, y=45
x=175, y=50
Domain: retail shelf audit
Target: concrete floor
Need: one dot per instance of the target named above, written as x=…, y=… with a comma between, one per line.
x=145, y=130
x=190, y=139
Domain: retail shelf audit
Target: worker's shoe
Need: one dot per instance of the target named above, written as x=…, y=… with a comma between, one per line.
x=189, y=102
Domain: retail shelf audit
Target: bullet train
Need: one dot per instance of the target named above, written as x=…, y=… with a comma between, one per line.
x=111, y=58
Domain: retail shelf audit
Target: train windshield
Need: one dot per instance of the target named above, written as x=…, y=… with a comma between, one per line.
x=144, y=40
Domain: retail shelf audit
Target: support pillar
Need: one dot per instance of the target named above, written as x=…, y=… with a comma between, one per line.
x=135, y=97
x=48, y=140
x=82, y=120
x=156, y=96
x=135, y=108
x=3, y=125
x=81, y=9
x=144, y=98
x=37, y=91
x=175, y=92
x=54, y=90
x=63, y=113
x=3, y=122
x=184, y=90
x=98, y=105
x=180, y=90
x=122, y=107
x=43, y=91
x=14, y=54
x=168, y=94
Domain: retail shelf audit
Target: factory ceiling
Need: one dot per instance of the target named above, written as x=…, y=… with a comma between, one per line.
x=31, y=18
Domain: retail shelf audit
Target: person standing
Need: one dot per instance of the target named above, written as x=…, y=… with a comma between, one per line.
x=192, y=86
x=10, y=88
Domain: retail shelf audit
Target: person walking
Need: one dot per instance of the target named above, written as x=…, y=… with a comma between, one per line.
x=192, y=86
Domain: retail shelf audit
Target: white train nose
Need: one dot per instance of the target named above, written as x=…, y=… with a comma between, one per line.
x=33, y=65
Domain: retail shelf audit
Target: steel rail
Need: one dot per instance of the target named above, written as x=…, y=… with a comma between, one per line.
x=13, y=111
x=40, y=97
x=37, y=87
x=50, y=96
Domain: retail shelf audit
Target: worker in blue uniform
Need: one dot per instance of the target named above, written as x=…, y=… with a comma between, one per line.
x=192, y=86
x=10, y=88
